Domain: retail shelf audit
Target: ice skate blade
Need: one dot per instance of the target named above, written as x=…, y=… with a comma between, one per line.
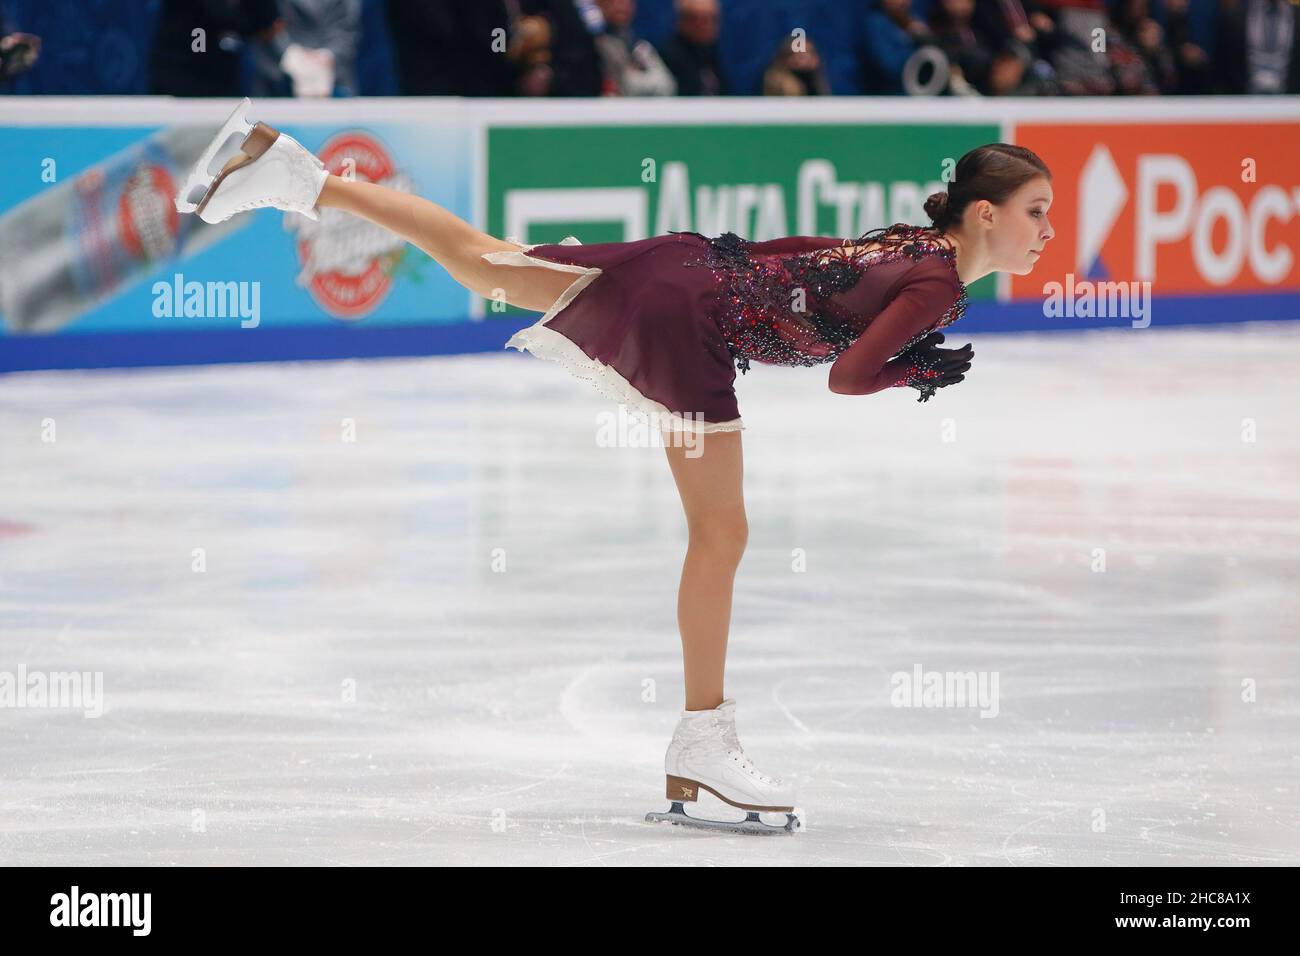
x=751, y=824
x=203, y=181
x=200, y=175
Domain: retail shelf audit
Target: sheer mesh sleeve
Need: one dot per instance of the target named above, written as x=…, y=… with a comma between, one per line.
x=865, y=366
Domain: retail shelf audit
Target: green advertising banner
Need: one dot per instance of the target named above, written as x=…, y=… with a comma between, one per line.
x=620, y=183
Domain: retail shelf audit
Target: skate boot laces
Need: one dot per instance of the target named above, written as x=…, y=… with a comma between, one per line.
x=721, y=729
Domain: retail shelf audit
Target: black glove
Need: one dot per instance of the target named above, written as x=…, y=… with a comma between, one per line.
x=936, y=368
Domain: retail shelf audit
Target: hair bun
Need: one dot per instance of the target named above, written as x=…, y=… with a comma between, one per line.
x=936, y=207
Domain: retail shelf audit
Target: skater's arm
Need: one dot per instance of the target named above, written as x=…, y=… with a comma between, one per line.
x=865, y=367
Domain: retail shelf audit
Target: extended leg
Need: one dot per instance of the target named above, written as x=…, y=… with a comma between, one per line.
x=451, y=241
x=710, y=486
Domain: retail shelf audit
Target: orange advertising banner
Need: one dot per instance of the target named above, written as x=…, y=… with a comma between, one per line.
x=1189, y=207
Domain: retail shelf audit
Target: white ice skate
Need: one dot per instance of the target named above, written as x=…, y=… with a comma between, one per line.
x=705, y=754
x=251, y=166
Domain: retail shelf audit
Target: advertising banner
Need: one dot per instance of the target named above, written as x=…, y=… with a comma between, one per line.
x=1206, y=216
x=626, y=182
x=1158, y=221
x=98, y=268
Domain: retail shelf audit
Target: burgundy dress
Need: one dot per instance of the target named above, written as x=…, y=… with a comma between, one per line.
x=662, y=324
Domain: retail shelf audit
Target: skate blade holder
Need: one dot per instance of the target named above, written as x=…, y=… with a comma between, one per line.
x=237, y=142
x=752, y=824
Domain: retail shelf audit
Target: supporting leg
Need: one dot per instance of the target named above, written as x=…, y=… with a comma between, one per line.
x=710, y=486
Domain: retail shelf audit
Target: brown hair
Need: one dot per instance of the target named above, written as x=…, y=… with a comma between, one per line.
x=991, y=172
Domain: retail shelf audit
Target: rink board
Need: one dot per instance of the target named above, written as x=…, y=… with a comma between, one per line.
x=1190, y=209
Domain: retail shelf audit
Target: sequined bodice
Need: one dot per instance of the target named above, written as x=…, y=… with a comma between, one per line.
x=804, y=300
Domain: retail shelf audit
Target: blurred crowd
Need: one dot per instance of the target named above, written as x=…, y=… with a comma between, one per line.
x=961, y=47
x=592, y=48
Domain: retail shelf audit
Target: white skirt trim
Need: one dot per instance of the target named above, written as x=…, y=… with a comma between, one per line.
x=549, y=344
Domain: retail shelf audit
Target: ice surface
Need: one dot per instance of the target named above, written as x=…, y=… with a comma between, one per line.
x=1147, y=714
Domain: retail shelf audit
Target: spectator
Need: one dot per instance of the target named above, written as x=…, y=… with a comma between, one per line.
x=968, y=53
x=1191, y=62
x=691, y=53
x=333, y=25
x=631, y=66
x=18, y=51
x=1145, y=38
x=197, y=48
x=796, y=70
x=574, y=58
x=1047, y=38
x=1003, y=22
x=493, y=48
x=892, y=35
x=1257, y=47
x=1012, y=72
x=1021, y=37
x=1077, y=25
x=320, y=59
x=529, y=51
x=446, y=48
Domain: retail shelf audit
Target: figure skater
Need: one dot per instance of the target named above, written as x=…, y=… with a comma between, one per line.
x=662, y=325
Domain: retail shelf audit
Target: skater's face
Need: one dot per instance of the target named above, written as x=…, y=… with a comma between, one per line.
x=1019, y=229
